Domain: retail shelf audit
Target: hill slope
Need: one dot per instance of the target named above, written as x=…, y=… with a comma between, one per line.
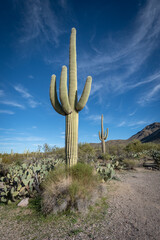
x=150, y=133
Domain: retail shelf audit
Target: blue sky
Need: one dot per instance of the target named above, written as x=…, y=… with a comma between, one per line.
x=118, y=44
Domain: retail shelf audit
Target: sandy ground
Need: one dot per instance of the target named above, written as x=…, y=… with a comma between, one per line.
x=133, y=213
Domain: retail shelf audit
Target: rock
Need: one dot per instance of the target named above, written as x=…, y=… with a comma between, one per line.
x=23, y=203
x=2, y=185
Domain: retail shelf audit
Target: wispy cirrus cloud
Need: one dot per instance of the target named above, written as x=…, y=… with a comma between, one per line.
x=152, y=95
x=12, y=103
x=133, y=123
x=121, y=124
x=24, y=139
x=6, y=112
x=138, y=123
x=7, y=129
x=25, y=94
x=151, y=78
x=40, y=22
x=121, y=60
x=132, y=113
x=95, y=87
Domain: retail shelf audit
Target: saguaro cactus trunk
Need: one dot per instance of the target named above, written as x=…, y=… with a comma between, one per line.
x=103, y=136
x=70, y=106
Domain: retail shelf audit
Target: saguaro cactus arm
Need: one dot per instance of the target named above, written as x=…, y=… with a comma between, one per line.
x=85, y=95
x=54, y=98
x=100, y=138
x=106, y=134
x=63, y=91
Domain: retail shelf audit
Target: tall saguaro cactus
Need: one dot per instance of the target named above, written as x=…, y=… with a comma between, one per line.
x=103, y=136
x=69, y=106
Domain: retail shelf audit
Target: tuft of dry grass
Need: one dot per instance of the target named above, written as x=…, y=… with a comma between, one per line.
x=63, y=187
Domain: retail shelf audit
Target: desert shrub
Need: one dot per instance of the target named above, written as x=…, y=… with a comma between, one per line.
x=85, y=152
x=105, y=156
x=12, y=158
x=117, y=149
x=3, y=170
x=59, y=153
x=64, y=187
x=136, y=147
x=151, y=146
x=129, y=163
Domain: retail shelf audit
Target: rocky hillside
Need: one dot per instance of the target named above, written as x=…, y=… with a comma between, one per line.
x=150, y=133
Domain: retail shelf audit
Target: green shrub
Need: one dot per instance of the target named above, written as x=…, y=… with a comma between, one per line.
x=129, y=163
x=105, y=156
x=136, y=146
x=117, y=149
x=85, y=152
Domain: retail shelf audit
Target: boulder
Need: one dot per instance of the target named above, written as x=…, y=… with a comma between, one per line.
x=23, y=203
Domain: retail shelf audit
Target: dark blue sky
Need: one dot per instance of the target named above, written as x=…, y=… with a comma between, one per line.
x=118, y=44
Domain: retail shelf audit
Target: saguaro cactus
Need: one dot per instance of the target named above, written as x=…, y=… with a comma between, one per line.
x=69, y=106
x=103, y=136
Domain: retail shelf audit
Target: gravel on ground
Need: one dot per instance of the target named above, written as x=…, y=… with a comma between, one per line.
x=133, y=214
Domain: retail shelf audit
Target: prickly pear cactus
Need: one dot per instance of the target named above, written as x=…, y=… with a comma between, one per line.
x=23, y=181
x=70, y=106
x=107, y=172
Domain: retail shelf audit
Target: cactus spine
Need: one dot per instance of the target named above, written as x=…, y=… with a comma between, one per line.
x=69, y=106
x=103, y=136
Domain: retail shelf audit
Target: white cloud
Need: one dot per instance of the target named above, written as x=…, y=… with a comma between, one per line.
x=95, y=87
x=40, y=22
x=12, y=103
x=152, y=95
x=94, y=117
x=132, y=113
x=25, y=139
x=122, y=124
x=149, y=79
x=7, y=129
x=121, y=59
x=86, y=109
x=22, y=91
x=25, y=94
x=7, y=112
x=142, y=122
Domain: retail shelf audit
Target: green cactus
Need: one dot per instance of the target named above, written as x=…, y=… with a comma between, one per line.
x=103, y=136
x=70, y=106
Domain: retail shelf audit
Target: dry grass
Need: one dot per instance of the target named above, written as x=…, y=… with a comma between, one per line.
x=63, y=187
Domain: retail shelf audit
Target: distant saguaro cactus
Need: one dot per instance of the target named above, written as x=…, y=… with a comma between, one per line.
x=70, y=106
x=103, y=136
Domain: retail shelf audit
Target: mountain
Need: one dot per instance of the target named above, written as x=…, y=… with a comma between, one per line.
x=150, y=133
